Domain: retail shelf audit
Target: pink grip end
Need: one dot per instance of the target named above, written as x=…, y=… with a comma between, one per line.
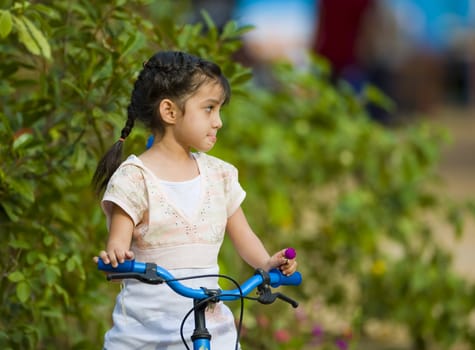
x=290, y=253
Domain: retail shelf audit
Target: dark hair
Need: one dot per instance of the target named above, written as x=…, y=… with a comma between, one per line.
x=167, y=74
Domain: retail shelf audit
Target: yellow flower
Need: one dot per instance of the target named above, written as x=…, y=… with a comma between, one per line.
x=378, y=268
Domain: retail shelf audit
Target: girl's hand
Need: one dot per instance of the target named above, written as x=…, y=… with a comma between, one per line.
x=278, y=260
x=114, y=257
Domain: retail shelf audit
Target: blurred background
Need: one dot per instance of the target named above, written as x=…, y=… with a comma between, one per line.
x=420, y=53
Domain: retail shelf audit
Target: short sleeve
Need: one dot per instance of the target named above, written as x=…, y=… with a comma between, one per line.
x=233, y=192
x=127, y=189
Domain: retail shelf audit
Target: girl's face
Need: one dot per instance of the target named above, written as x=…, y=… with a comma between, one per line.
x=198, y=126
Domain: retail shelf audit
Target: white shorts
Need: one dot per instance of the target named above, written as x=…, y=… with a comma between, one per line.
x=148, y=317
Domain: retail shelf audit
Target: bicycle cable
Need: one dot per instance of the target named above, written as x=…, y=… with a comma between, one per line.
x=206, y=300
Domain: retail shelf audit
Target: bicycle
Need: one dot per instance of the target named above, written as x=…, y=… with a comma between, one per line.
x=263, y=281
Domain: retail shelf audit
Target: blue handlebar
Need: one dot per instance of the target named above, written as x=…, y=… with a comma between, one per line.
x=279, y=279
x=126, y=266
x=276, y=279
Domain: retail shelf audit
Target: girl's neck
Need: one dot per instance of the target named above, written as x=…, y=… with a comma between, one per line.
x=170, y=163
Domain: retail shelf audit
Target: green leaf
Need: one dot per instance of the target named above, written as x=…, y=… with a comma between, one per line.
x=61, y=291
x=48, y=240
x=5, y=23
x=13, y=212
x=22, y=141
x=23, y=291
x=208, y=20
x=231, y=30
x=104, y=72
x=16, y=276
x=241, y=77
x=31, y=37
x=71, y=263
x=78, y=90
x=24, y=188
x=32, y=257
x=134, y=43
x=51, y=274
x=19, y=244
x=376, y=96
x=51, y=12
x=184, y=37
x=213, y=31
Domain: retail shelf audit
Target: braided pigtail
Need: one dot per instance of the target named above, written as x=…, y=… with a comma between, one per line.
x=113, y=158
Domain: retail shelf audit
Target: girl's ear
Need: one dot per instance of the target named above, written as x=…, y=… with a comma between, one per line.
x=168, y=111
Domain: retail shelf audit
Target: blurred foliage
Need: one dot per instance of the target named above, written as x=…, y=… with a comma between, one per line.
x=361, y=202
x=358, y=201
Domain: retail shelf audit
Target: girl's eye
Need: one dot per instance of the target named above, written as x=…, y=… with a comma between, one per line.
x=209, y=108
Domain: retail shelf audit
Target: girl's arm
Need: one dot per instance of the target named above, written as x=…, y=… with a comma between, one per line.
x=120, y=237
x=251, y=249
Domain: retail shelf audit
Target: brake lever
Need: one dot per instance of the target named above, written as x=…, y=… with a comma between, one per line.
x=287, y=299
x=267, y=297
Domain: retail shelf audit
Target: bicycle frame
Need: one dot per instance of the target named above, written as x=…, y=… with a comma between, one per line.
x=153, y=274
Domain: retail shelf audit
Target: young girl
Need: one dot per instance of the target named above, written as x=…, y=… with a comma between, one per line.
x=172, y=207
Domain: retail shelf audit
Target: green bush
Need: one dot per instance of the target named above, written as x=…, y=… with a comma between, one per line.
x=320, y=176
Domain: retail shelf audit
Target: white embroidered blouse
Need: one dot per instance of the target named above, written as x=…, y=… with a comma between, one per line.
x=163, y=233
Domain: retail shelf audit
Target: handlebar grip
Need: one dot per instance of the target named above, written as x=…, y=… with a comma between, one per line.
x=279, y=279
x=290, y=253
x=126, y=266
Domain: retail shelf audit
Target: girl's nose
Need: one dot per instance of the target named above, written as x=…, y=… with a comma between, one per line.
x=217, y=122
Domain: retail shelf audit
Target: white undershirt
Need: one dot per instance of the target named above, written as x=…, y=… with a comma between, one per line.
x=185, y=195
